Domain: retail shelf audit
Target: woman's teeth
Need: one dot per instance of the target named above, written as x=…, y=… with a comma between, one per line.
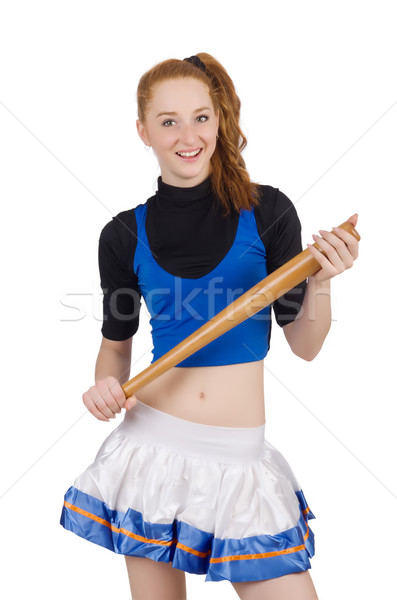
x=189, y=153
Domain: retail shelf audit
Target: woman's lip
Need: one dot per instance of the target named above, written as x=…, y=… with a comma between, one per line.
x=190, y=158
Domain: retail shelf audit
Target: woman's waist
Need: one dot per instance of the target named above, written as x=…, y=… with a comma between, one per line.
x=147, y=425
x=227, y=395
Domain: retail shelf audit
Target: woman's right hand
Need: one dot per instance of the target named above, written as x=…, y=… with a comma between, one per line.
x=106, y=398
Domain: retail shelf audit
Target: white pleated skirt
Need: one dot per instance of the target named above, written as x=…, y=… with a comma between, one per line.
x=220, y=501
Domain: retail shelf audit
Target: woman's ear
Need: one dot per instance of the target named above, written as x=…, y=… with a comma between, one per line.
x=142, y=132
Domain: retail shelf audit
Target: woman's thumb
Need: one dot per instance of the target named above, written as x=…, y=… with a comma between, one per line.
x=130, y=402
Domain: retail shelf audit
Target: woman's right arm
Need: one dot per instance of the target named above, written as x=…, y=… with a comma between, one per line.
x=121, y=304
x=112, y=369
x=114, y=358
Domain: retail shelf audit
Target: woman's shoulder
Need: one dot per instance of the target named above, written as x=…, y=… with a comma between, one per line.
x=119, y=234
x=273, y=204
x=276, y=217
x=121, y=230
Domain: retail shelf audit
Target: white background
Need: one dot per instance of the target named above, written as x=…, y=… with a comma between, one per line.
x=319, y=109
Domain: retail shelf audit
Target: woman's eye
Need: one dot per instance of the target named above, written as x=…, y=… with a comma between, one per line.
x=172, y=120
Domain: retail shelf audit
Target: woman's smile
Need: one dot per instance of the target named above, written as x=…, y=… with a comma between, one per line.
x=189, y=156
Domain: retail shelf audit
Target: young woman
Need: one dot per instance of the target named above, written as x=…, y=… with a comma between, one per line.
x=187, y=482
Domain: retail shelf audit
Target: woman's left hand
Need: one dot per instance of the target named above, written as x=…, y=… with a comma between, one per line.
x=341, y=248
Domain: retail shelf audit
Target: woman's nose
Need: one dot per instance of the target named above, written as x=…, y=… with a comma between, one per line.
x=188, y=135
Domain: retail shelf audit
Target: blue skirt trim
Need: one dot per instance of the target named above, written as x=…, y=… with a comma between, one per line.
x=190, y=549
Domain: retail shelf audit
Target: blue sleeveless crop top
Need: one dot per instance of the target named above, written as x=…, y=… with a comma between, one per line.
x=178, y=306
x=189, y=262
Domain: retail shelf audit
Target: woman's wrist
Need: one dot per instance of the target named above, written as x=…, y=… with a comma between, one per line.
x=324, y=284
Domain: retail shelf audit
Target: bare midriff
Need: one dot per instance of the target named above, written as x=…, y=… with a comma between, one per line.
x=225, y=395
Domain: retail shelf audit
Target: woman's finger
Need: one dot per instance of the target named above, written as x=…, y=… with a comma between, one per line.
x=332, y=254
x=109, y=388
x=349, y=239
x=130, y=402
x=340, y=246
x=100, y=402
x=106, y=391
x=328, y=268
x=90, y=405
x=116, y=392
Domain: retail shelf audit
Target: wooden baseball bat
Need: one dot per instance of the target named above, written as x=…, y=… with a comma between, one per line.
x=259, y=296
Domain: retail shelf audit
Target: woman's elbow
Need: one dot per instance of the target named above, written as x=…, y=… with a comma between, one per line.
x=305, y=355
x=309, y=357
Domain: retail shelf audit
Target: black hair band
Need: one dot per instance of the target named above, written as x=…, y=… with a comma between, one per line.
x=197, y=62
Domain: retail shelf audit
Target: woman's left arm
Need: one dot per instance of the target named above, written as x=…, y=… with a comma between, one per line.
x=306, y=334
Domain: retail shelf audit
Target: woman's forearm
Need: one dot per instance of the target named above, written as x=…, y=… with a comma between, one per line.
x=307, y=333
x=111, y=362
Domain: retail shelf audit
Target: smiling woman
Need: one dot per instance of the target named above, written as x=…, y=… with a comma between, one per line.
x=188, y=482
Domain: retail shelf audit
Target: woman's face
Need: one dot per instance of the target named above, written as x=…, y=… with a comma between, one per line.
x=181, y=118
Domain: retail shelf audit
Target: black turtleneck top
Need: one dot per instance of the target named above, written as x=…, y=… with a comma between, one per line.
x=188, y=236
